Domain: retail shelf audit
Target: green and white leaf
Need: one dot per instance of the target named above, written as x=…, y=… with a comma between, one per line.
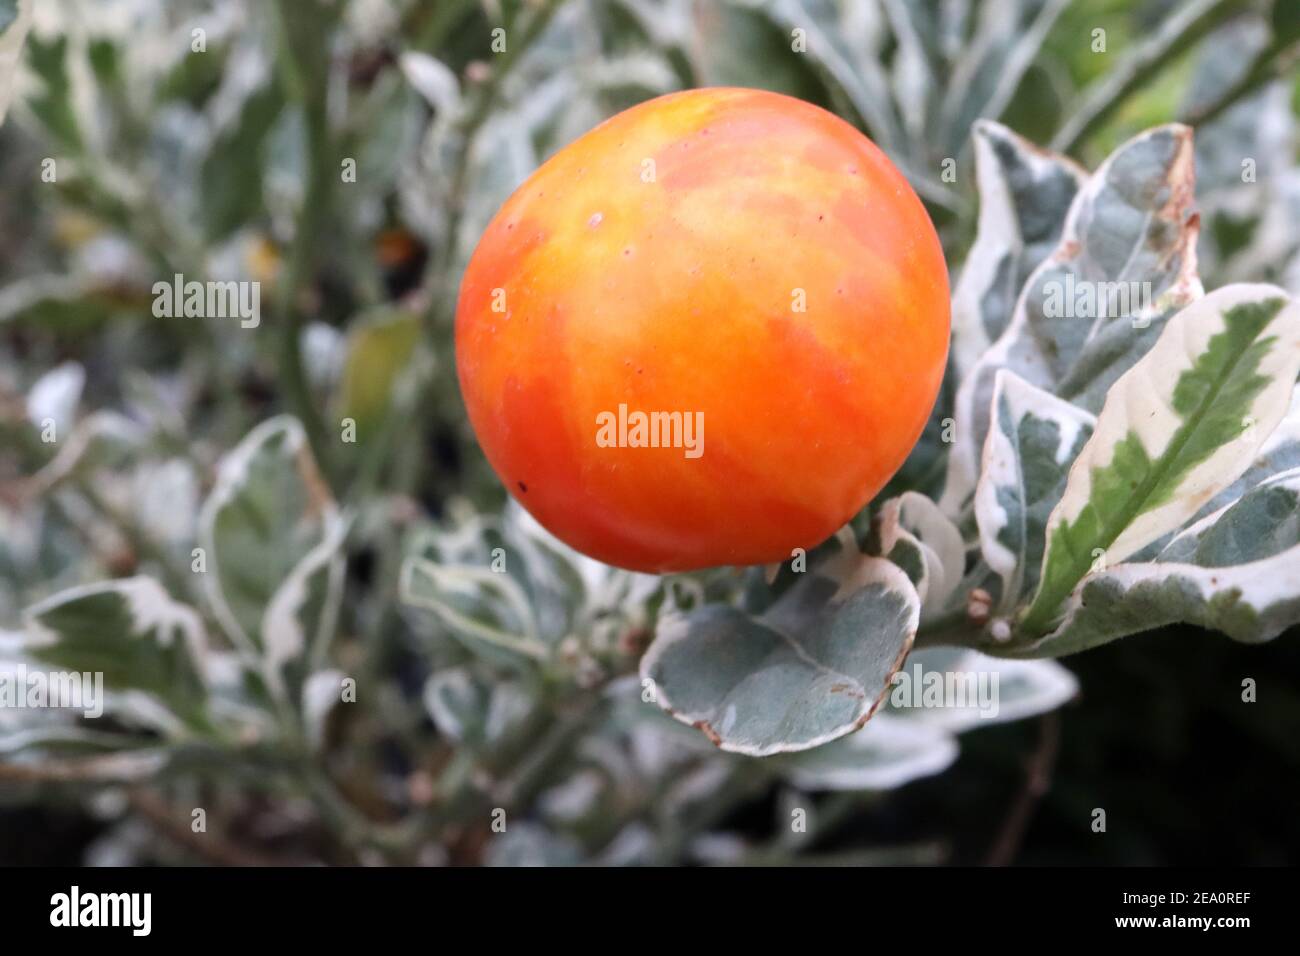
x=1033, y=439
x=302, y=615
x=488, y=610
x=812, y=668
x=506, y=584
x=887, y=753
x=921, y=540
x=267, y=529
x=103, y=439
x=1126, y=260
x=1234, y=571
x=1025, y=194
x=131, y=631
x=457, y=703
x=1176, y=430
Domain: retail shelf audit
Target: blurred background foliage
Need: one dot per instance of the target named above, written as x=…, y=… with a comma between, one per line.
x=231, y=162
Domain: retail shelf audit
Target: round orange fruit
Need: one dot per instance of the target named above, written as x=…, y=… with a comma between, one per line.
x=705, y=333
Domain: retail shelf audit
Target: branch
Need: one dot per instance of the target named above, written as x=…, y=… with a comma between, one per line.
x=1175, y=35
x=1038, y=780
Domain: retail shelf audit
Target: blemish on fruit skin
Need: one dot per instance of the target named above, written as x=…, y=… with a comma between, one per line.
x=595, y=220
x=522, y=487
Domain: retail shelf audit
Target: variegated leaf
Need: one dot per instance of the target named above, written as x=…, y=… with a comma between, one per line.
x=1125, y=261
x=1025, y=194
x=131, y=631
x=921, y=540
x=813, y=667
x=1176, y=430
x=1235, y=571
x=1033, y=439
x=267, y=529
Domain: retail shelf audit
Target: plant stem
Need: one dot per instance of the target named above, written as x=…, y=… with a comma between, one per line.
x=1182, y=29
x=1274, y=60
x=306, y=74
x=1038, y=780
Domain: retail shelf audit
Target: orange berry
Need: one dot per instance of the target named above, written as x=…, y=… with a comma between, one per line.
x=745, y=260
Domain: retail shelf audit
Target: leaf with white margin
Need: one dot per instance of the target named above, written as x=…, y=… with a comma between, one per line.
x=884, y=755
x=457, y=704
x=921, y=539
x=956, y=690
x=505, y=581
x=321, y=693
x=1279, y=453
x=813, y=667
x=267, y=513
x=432, y=79
x=131, y=631
x=1237, y=571
x=1263, y=522
x=1176, y=429
x=1130, y=224
x=1025, y=194
x=302, y=615
x=487, y=611
x=1033, y=439
x=101, y=439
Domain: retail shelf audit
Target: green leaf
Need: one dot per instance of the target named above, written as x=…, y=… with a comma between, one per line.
x=1177, y=428
x=270, y=532
x=1033, y=439
x=380, y=348
x=1124, y=263
x=813, y=667
x=131, y=631
x=1025, y=194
